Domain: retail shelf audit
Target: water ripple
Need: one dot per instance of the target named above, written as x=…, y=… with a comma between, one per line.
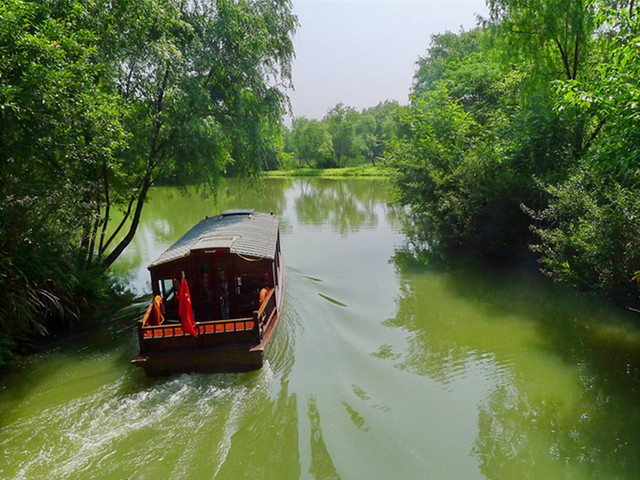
x=90, y=429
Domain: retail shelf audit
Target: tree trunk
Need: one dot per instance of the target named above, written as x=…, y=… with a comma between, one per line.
x=135, y=221
x=154, y=156
x=107, y=208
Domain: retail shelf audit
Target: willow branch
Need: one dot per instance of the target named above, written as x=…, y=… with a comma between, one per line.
x=594, y=134
x=575, y=58
x=565, y=58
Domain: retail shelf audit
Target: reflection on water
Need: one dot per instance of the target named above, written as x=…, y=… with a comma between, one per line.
x=321, y=463
x=560, y=370
x=347, y=207
x=379, y=368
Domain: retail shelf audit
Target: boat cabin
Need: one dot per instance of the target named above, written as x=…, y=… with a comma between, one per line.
x=232, y=268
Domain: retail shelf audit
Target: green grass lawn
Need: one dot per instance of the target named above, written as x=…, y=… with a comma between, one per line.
x=359, y=171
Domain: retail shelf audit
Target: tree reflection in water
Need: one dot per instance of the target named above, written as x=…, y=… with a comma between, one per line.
x=321, y=464
x=346, y=205
x=561, y=371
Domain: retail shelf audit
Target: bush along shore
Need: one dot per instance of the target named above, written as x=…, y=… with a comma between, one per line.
x=523, y=133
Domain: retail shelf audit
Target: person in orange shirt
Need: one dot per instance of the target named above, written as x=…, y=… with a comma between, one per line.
x=263, y=295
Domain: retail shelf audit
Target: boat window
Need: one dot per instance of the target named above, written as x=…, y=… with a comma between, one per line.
x=168, y=287
x=207, y=297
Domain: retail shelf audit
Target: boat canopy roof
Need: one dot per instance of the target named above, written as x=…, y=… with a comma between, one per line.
x=244, y=232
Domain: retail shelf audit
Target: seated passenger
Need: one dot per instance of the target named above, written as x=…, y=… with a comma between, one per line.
x=263, y=294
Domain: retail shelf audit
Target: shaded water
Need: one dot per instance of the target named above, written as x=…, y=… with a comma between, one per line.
x=379, y=369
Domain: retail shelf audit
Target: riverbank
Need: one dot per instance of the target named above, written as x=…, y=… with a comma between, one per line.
x=368, y=171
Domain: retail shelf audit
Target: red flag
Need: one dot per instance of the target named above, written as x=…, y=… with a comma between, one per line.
x=185, y=310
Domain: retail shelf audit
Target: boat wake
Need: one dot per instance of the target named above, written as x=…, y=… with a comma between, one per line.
x=168, y=423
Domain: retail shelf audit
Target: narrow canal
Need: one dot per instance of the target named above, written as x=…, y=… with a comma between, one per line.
x=380, y=369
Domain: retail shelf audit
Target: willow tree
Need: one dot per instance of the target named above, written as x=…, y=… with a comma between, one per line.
x=202, y=88
x=588, y=235
x=558, y=40
x=555, y=33
x=484, y=131
x=456, y=168
x=311, y=142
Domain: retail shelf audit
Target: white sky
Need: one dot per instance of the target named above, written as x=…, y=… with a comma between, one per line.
x=362, y=52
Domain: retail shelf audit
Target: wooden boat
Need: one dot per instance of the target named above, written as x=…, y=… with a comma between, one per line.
x=222, y=321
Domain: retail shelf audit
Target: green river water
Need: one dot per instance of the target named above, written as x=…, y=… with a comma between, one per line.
x=379, y=369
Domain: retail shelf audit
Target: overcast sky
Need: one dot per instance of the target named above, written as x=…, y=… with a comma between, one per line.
x=362, y=52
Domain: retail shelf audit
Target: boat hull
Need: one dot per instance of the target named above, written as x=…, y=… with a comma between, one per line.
x=193, y=356
x=227, y=358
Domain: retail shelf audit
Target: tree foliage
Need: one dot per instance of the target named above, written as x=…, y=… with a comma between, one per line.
x=202, y=85
x=311, y=141
x=528, y=125
x=555, y=35
x=344, y=136
x=458, y=166
x=56, y=125
x=588, y=234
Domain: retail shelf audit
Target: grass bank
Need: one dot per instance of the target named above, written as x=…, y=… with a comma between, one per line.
x=368, y=171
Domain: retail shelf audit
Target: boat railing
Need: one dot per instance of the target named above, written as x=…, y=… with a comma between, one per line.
x=203, y=328
x=223, y=326
x=233, y=329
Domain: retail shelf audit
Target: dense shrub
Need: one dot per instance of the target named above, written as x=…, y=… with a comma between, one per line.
x=589, y=235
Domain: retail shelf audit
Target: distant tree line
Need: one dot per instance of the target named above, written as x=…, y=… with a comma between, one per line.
x=525, y=132
x=344, y=137
x=101, y=99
